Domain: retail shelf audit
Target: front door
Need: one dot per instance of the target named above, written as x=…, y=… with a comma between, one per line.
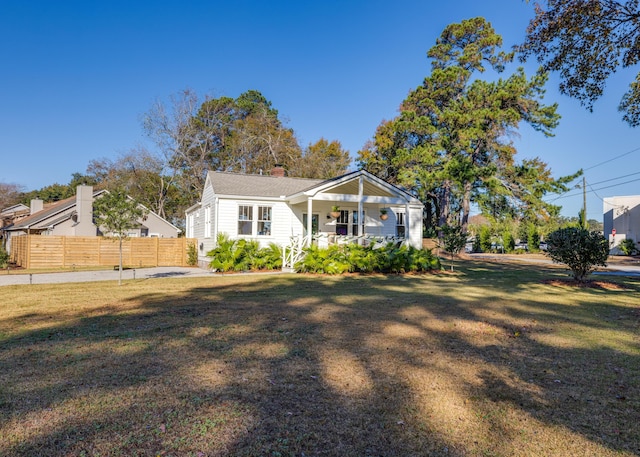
x=314, y=223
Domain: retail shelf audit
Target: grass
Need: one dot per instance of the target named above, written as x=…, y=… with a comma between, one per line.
x=491, y=360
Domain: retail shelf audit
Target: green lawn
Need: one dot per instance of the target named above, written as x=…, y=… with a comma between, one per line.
x=491, y=360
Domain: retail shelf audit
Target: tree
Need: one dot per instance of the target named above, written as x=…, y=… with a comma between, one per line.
x=579, y=249
x=51, y=193
x=450, y=144
x=145, y=177
x=116, y=213
x=322, y=160
x=586, y=41
x=454, y=240
x=10, y=194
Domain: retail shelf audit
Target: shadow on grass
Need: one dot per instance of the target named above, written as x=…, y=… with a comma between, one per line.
x=485, y=361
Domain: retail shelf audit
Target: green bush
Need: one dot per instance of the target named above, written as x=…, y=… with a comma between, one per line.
x=332, y=260
x=533, y=238
x=192, y=254
x=4, y=258
x=485, y=238
x=269, y=258
x=579, y=249
x=628, y=246
x=243, y=255
x=354, y=258
x=508, y=241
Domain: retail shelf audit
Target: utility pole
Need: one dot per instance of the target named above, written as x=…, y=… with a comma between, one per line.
x=584, y=202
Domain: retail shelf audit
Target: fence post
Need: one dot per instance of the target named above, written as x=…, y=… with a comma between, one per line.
x=28, y=251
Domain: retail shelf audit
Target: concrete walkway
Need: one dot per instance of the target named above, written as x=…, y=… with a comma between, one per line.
x=621, y=269
x=102, y=275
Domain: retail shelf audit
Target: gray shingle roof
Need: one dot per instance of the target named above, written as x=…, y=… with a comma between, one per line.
x=225, y=183
x=36, y=220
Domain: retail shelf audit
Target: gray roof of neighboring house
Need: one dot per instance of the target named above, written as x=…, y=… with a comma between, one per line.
x=10, y=211
x=34, y=220
x=225, y=183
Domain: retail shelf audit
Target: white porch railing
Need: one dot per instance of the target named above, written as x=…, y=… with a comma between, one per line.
x=293, y=253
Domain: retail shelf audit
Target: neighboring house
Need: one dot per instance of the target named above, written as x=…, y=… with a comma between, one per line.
x=276, y=209
x=621, y=220
x=13, y=214
x=74, y=217
x=10, y=216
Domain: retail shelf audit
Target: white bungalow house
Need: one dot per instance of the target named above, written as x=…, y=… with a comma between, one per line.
x=621, y=220
x=276, y=209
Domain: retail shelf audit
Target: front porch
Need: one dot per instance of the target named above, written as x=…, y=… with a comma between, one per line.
x=294, y=252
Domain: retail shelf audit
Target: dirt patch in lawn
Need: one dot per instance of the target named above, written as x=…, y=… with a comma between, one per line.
x=591, y=284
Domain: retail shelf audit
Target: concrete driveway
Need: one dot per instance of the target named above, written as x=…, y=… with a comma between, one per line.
x=615, y=266
x=102, y=275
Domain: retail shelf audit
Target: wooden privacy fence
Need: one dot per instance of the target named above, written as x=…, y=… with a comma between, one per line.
x=44, y=251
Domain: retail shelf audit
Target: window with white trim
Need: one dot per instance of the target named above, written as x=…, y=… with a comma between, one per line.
x=264, y=220
x=245, y=220
x=255, y=220
x=400, y=225
x=190, y=226
x=207, y=222
x=354, y=222
x=342, y=223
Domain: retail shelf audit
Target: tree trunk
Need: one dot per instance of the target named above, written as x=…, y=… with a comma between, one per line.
x=120, y=265
x=444, y=203
x=466, y=205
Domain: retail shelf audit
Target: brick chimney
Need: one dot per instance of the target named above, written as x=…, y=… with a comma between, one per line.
x=84, y=225
x=278, y=171
x=36, y=206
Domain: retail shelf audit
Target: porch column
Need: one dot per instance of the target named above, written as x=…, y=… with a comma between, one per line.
x=407, y=222
x=360, y=208
x=309, y=221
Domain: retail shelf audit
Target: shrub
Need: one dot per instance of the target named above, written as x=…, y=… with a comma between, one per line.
x=628, y=246
x=331, y=260
x=533, y=238
x=338, y=259
x=485, y=239
x=4, y=258
x=192, y=254
x=508, y=241
x=269, y=258
x=579, y=249
x=243, y=255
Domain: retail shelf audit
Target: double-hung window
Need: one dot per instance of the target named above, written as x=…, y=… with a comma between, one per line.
x=264, y=220
x=245, y=220
x=400, y=225
x=207, y=222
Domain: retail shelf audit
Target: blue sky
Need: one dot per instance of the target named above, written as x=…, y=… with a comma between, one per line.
x=78, y=75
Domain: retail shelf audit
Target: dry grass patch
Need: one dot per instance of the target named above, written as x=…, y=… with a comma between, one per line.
x=489, y=361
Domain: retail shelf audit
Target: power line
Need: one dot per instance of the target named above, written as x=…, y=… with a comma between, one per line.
x=594, y=190
x=613, y=179
x=612, y=159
